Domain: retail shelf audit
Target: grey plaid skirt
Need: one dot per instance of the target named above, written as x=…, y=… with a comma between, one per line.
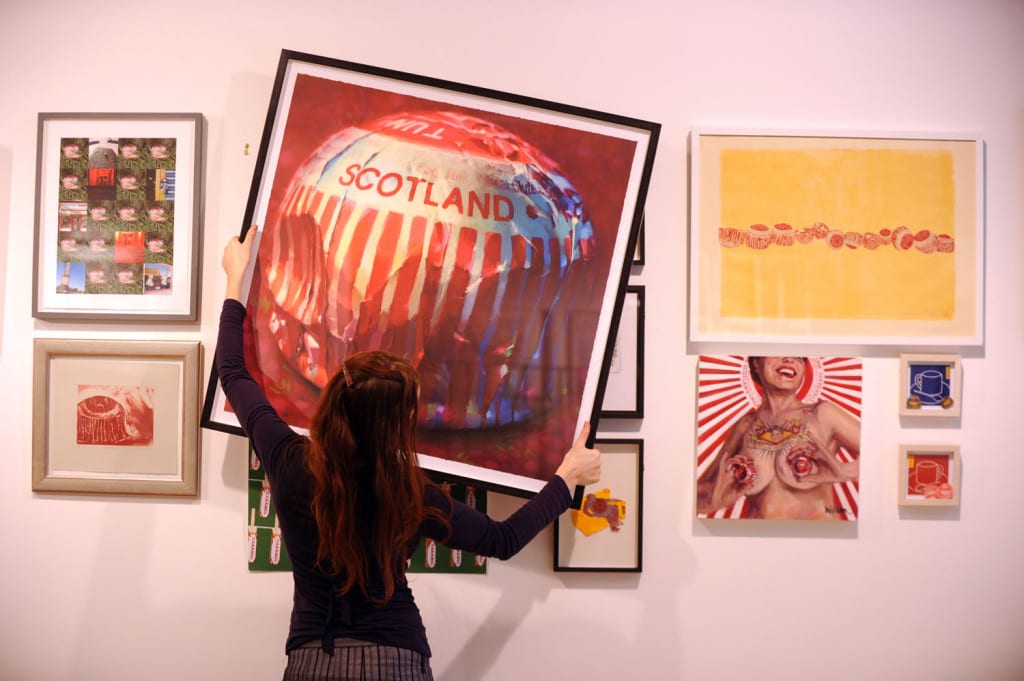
x=356, y=660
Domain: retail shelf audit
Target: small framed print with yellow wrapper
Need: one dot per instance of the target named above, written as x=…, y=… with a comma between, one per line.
x=605, y=534
x=929, y=475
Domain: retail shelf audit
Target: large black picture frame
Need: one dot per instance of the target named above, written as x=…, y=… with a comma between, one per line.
x=375, y=187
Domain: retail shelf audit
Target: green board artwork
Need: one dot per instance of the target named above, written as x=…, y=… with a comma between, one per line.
x=267, y=553
x=432, y=556
x=265, y=547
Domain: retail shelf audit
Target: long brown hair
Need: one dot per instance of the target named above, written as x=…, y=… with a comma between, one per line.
x=366, y=422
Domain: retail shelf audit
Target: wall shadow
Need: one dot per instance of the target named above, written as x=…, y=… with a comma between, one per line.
x=6, y=163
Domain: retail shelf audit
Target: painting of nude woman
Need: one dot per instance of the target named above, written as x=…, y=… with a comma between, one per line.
x=778, y=437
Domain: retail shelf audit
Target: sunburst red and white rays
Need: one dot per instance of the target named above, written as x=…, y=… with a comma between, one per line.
x=726, y=392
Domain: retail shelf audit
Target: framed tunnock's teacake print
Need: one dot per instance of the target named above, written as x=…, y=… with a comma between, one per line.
x=118, y=200
x=456, y=226
x=116, y=417
x=929, y=475
x=855, y=239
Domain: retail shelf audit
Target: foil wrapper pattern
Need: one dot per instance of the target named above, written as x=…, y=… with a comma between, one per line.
x=440, y=237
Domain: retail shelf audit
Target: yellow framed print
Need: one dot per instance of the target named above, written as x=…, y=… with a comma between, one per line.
x=867, y=239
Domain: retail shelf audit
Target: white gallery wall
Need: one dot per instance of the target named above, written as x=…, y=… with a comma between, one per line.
x=99, y=587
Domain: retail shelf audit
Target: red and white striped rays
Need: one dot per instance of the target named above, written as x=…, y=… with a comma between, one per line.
x=726, y=391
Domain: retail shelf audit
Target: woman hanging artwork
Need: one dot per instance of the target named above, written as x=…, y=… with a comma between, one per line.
x=484, y=240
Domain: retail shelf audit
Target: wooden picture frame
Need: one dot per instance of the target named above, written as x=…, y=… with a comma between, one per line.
x=117, y=216
x=929, y=475
x=606, y=533
x=116, y=417
x=420, y=216
x=888, y=228
x=624, y=391
x=931, y=386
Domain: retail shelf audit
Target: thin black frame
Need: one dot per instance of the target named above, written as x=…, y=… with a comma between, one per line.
x=637, y=564
x=188, y=182
x=637, y=410
x=640, y=252
x=642, y=134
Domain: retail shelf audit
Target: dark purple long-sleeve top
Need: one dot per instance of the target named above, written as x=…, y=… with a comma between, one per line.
x=318, y=612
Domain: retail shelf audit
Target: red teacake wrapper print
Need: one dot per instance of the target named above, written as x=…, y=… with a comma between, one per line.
x=477, y=245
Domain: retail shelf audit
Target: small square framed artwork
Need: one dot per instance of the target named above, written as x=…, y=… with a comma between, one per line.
x=930, y=385
x=929, y=475
x=605, y=534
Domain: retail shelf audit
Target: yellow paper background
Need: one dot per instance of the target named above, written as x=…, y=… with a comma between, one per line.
x=849, y=190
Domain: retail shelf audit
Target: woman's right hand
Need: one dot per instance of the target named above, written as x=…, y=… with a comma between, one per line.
x=581, y=465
